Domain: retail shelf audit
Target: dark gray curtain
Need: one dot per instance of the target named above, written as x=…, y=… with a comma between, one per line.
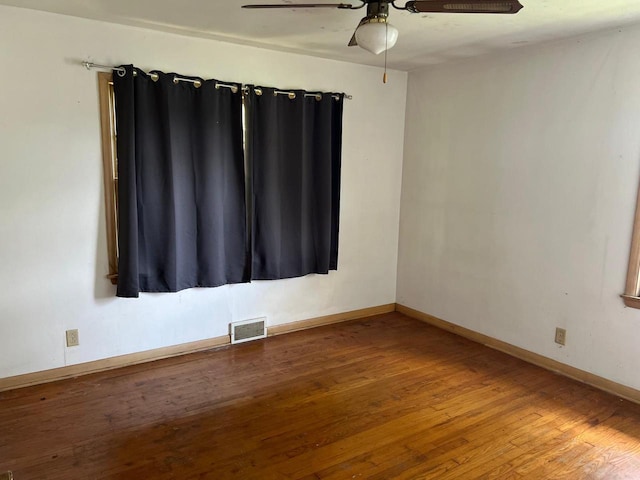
x=181, y=196
x=294, y=150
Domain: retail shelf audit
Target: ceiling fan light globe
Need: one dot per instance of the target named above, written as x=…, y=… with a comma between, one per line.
x=376, y=37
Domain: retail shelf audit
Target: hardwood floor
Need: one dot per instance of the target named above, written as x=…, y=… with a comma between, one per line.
x=386, y=397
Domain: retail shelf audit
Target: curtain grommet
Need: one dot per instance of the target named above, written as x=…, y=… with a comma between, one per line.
x=233, y=88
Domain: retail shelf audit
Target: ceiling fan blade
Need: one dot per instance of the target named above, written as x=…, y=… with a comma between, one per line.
x=300, y=5
x=462, y=6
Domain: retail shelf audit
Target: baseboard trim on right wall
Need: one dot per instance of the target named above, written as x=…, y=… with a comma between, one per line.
x=601, y=383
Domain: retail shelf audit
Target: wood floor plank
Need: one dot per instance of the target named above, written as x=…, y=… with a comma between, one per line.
x=385, y=397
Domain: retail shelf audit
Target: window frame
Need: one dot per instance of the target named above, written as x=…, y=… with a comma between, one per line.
x=631, y=295
x=110, y=170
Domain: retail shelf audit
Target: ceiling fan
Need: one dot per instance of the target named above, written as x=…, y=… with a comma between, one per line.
x=376, y=35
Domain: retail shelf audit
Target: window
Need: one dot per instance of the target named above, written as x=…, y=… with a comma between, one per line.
x=631, y=294
x=221, y=259
x=110, y=165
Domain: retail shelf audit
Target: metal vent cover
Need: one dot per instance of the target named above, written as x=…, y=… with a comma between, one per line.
x=247, y=330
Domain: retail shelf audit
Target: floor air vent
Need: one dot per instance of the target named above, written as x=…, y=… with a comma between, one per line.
x=247, y=330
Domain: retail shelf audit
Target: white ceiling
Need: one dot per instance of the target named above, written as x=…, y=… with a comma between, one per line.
x=424, y=38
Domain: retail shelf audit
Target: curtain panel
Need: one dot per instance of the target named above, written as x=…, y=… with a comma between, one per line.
x=294, y=156
x=181, y=184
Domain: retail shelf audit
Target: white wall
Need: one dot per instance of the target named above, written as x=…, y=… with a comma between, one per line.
x=52, y=226
x=519, y=187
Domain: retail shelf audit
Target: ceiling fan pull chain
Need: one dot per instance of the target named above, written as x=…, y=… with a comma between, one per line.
x=386, y=40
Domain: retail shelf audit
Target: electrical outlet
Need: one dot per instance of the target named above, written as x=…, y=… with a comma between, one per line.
x=72, y=338
x=561, y=336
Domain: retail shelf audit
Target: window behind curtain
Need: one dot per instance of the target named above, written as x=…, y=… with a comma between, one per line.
x=110, y=162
